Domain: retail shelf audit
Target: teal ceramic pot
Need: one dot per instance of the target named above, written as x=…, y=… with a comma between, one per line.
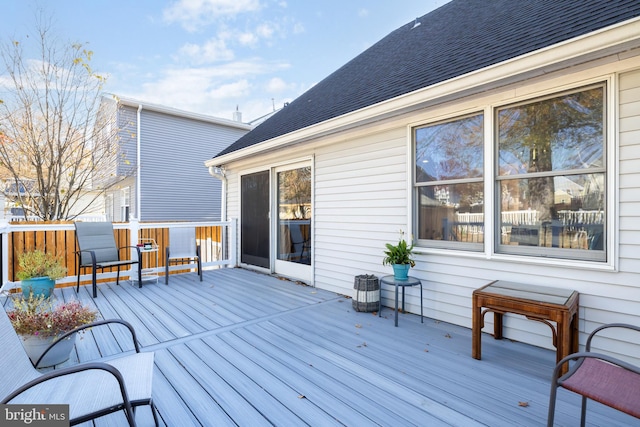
x=401, y=271
x=37, y=285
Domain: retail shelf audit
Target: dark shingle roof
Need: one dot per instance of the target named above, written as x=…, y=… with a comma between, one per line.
x=460, y=37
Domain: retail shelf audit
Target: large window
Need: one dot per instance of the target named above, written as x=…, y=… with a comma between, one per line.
x=449, y=187
x=548, y=193
x=551, y=176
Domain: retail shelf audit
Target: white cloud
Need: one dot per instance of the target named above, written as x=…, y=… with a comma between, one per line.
x=298, y=28
x=231, y=90
x=266, y=30
x=194, y=14
x=213, y=50
x=363, y=13
x=247, y=39
x=206, y=89
x=277, y=85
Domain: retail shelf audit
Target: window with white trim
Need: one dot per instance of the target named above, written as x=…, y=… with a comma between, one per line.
x=449, y=183
x=125, y=198
x=551, y=176
x=549, y=191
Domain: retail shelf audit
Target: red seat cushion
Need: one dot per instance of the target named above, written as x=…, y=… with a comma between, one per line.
x=608, y=384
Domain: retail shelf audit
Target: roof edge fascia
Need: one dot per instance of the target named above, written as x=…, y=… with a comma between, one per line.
x=130, y=102
x=584, y=46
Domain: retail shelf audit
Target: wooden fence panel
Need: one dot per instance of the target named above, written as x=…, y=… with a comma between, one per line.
x=62, y=243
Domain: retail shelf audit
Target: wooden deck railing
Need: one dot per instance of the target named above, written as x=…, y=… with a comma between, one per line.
x=59, y=239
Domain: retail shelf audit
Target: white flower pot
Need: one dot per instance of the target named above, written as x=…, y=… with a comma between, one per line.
x=35, y=346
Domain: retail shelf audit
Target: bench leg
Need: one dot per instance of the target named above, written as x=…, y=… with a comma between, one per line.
x=476, y=329
x=497, y=325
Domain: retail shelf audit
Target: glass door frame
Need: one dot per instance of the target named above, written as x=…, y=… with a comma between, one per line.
x=299, y=271
x=269, y=259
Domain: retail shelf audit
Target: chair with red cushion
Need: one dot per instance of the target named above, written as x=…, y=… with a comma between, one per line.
x=600, y=377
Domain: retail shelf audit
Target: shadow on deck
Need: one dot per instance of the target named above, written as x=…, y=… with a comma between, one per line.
x=247, y=349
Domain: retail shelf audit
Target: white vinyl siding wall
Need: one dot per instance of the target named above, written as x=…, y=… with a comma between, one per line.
x=360, y=203
x=362, y=186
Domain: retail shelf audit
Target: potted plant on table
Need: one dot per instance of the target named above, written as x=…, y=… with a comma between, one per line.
x=399, y=256
x=38, y=272
x=40, y=323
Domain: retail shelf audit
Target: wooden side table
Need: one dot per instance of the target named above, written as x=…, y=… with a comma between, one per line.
x=541, y=303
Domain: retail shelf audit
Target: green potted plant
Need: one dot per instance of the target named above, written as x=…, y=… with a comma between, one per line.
x=38, y=272
x=399, y=257
x=40, y=323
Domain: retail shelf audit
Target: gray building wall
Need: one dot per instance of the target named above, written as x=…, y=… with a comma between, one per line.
x=175, y=184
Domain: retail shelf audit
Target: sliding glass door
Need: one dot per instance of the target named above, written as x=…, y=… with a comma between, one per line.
x=254, y=224
x=294, y=241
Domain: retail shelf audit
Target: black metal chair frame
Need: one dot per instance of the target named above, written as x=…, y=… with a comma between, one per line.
x=127, y=405
x=609, y=396
x=98, y=259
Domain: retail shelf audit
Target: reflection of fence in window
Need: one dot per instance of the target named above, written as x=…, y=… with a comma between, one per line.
x=571, y=230
x=525, y=217
x=469, y=227
x=581, y=217
x=581, y=229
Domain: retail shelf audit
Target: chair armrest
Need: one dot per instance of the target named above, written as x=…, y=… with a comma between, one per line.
x=76, y=370
x=137, y=248
x=608, y=326
x=583, y=355
x=92, y=253
x=93, y=325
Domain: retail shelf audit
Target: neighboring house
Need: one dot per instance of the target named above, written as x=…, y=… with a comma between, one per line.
x=503, y=135
x=157, y=165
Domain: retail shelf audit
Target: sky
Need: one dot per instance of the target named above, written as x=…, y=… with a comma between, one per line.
x=215, y=56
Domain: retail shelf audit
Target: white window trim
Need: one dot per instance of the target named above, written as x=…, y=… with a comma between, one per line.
x=489, y=108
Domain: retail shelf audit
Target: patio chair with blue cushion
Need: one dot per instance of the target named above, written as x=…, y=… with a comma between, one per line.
x=600, y=377
x=182, y=248
x=91, y=390
x=97, y=250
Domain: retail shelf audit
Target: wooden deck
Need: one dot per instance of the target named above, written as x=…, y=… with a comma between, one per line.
x=248, y=349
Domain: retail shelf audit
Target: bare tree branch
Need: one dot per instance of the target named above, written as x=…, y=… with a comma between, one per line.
x=48, y=118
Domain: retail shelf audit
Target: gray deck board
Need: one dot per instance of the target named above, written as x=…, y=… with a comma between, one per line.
x=248, y=349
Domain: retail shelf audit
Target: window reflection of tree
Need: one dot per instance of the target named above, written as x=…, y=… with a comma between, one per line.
x=560, y=137
x=295, y=193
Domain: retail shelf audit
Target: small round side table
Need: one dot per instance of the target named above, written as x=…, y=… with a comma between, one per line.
x=411, y=281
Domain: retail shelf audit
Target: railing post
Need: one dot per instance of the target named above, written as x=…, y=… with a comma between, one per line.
x=5, y=230
x=233, y=242
x=134, y=232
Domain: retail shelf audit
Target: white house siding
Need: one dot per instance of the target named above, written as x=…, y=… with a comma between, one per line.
x=361, y=200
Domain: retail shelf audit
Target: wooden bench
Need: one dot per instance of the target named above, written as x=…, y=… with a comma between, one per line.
x=540, y=303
